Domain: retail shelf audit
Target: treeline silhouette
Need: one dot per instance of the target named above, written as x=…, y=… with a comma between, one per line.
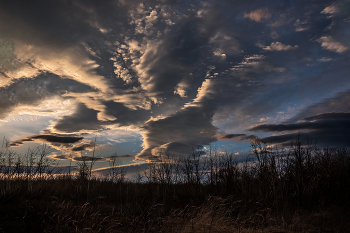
x=302, y=188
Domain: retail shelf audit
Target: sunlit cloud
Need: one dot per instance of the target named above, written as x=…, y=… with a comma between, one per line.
x=278, y=46
x=329, y=43
x=54, y=107
x=68, y=63
x=332, y=9
x=258, y=15
x=325, y=59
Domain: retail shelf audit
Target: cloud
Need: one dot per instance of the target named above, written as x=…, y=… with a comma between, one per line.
x=48, y=138
x=83, y=147
x=332, y=10
x=258, y=15
x=111, y=157
x=300, y=25
x=69, y=146
x=162, y=61
x=325, y=59
x=291, y=127
x=238, y=137
x=179, y=129
x=7, y=49
x=278, y=46
x=42, y=55
x=339, y=103
x=87, y=159
x=163, y=67
x=230, y=136
x=336, y=138
x=339, y=8
x=280, y=21
x=204, y=92
x=181, y=89
x=83, y=120
x=331, y=44
x=60, y=157
x=328, y=129
x=32, y=92
x=225, y=44
x=318, y=122
x=90, y=119
x=94, y=101
x=333, y=115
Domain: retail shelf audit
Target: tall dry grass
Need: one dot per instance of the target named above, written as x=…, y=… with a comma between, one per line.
x=300, y=189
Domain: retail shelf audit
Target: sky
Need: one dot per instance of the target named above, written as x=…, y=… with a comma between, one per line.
x=136, y=78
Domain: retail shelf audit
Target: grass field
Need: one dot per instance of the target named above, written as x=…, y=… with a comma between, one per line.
x=301, y=189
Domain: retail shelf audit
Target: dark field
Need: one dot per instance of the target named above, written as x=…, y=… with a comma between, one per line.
x=304, y=189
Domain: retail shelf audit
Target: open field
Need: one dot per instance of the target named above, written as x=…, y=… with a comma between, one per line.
x=304, y=189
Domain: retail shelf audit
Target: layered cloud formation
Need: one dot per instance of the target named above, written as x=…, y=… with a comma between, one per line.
x=181, y=73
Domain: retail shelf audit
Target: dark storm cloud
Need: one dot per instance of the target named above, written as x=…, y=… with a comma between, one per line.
x=173, y=63
x=230, y=136
x=87, y=159
x=336, y=115
x=126, y=116
x=188, y=127
x=248, y=137
x=62, y=23
x=60, y=157
x=328, y=129
x=83, y=119
x=339, y=103
x=48, y=138
x=69, y=146
x=87, y=119
x=238, y=137
x=322, y=124
x=83, y=147
x=168, y=64
x=323, y=138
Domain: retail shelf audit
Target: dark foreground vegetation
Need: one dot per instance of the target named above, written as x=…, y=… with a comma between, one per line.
x=302, y=189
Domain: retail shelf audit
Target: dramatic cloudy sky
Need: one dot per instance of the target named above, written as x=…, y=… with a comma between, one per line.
x=146, y=76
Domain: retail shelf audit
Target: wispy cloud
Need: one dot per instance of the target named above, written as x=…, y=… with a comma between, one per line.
x=258, y=15
x=238, y=137
x=331, y=44
x=325, y=59
x=48, y=138
x=278, y=46
x=300, y=26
